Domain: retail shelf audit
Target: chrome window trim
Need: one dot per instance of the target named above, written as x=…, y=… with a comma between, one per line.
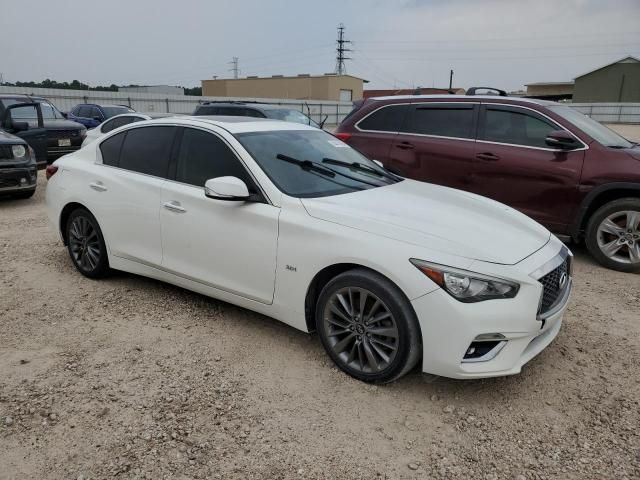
x=134, y=125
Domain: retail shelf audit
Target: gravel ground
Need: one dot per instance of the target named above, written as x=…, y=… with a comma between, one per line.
x=131, y=378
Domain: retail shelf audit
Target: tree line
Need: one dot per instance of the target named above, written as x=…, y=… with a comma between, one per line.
x=77, y=85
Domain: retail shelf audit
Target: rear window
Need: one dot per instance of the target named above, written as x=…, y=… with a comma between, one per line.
x=386, y=119
x=147, y=150
x=444, y=121
x=110, y=149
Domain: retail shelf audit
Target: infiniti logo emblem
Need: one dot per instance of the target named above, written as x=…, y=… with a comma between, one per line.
x=563, y=280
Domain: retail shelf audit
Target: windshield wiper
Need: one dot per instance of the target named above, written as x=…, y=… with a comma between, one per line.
x=318, y=167
x=360, y=167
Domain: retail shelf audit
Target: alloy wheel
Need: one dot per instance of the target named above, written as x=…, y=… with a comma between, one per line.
x=618, y=236
x=361, y=330
x=84, y=243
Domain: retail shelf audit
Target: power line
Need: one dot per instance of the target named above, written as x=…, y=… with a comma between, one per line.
x=340, y=59
x=234, y=68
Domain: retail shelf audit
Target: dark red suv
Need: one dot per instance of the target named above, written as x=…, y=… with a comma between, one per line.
x=565, y=170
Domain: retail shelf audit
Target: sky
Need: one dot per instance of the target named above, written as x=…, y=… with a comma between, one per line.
x=396, y=43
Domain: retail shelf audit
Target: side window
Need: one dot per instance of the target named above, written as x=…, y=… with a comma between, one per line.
x=147, y=150
x=84, y=111
x=386, y=119
x=206, y=110
x=515, y=127
x=110, y=149
x=236, y=111
x=250, y=112
x=95, y=113
x=203, y=155
x=444, y=121
x=109, y=125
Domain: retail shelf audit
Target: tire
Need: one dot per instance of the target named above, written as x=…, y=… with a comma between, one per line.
x=613, y=235
x=85, y=244
x=358, y=342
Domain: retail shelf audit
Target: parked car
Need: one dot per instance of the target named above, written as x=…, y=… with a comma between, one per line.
x=563, y=169
x=42, y=125
x=119, y=121
x=286, y=220
x=18, y=169
x=257, y=110
x=91, y=115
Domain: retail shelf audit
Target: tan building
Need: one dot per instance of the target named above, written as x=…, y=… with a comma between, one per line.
x=301, y=87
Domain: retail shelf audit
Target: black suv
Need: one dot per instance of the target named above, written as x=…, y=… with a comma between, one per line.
x=18, y=171
x=257, y=110
x=42, y=125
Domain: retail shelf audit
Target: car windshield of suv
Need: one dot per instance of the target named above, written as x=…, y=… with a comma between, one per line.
x=113, y=111
x=49, y=112
x=290, y=115
x=594, y=129
x=304, y=163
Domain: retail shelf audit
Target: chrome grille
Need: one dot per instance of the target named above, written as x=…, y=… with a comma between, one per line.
x=57, y=134
x=552, y=288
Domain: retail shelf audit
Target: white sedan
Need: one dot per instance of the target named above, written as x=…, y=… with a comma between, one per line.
x=287, y=220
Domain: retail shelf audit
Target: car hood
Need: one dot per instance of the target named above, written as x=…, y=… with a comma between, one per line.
x=57, y=124
x=7, y=138
x=439, y=218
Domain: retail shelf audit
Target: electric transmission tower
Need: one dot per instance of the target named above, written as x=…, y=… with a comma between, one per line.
x=342, y=49
x=234, y=67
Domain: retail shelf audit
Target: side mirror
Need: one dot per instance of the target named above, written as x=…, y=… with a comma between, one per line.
x=561, y=139
x=20, y=126
x=226, y=188
x=65, y=114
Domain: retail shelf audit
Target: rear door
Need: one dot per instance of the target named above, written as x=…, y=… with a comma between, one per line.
x=375, y=133
x=436, y=143
x=515, y=166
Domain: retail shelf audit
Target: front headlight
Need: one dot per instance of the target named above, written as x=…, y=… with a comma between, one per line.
x=18, y=151
x=467, y=287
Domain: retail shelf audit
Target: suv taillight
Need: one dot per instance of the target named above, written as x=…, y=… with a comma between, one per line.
x=51, y=171
x=343, y=136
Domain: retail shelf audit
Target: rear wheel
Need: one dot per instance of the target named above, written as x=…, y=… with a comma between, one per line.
x=86, y=245
x=613, y=235
x=368, y=327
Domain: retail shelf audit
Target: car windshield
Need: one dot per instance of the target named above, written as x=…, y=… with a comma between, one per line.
x=305, y=163
x=594, y=129
x=49, y=112
x=113, y=111
x=290, y=115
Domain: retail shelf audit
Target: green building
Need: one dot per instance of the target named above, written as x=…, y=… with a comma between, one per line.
x=614, y=83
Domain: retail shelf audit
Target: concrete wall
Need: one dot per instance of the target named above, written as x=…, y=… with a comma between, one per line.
x=619, y=82
x=325, y=87
x=65, y=100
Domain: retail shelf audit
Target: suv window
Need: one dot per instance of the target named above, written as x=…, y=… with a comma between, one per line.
x=515, y=126
x=84, y=111
x=110, y=149
x=203, y=155
x=95, y=112
x=453, y=120
x=147, y=150
x=386, y=119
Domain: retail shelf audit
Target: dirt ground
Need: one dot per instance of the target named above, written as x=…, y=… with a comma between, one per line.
x=131, y=378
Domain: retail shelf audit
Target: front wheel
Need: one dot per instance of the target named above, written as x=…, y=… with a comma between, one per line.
x=86, y=244
x=613, y=235
x=368, y=327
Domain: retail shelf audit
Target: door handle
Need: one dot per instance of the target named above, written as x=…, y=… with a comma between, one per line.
x=98, y=186
x=488, y=157
x=174, y=207
x=405, y=146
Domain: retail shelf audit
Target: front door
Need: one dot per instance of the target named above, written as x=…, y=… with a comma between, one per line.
x=515, y=166
x=228, y=245
x=436, y=144
x=24, y=120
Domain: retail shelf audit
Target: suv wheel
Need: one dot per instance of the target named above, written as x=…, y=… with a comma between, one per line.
x=613, y=235
x=368, y=327
x=86, y=244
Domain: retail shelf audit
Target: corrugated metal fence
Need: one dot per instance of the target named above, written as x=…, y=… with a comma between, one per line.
x=152, y=102
x=610, y=112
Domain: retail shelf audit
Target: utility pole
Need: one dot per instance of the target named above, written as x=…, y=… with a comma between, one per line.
x=450, y=79
x=234, y=67
x=340, y=68
x=1, y=79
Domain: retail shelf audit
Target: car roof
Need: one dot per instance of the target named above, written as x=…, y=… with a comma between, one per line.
x=234, y=124
x=149, y=115
x=256, y=105
x=103, y=105
x=468, y=98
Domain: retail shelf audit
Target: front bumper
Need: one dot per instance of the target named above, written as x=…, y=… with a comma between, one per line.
x=449, y=327
x=18, y=179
